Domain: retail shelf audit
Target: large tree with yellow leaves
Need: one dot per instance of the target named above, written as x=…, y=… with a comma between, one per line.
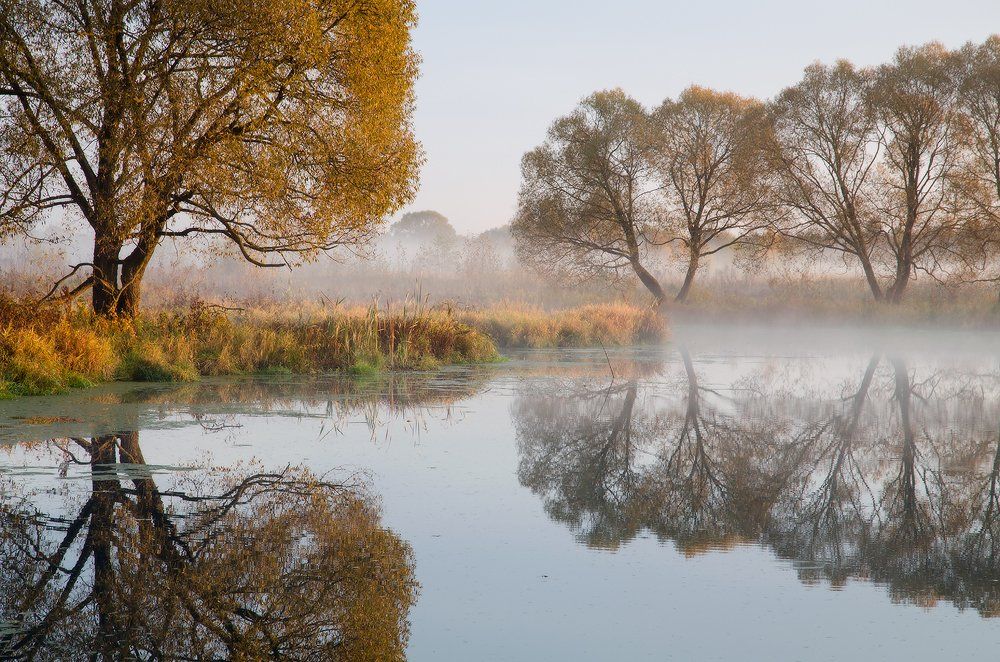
x=283, y=127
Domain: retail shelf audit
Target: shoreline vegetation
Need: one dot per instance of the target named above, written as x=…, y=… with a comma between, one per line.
x=834, y=301
x=52, y=349
x=615, y=324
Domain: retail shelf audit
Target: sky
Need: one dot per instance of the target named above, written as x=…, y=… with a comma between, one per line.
x=495, y=73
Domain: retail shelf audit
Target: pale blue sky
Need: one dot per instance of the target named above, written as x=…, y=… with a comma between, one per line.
x=495, y=74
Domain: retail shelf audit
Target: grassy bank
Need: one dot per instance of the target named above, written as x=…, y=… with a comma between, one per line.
x=610, y=324
x=49, y=350
x=841, y=301
x=55, y=349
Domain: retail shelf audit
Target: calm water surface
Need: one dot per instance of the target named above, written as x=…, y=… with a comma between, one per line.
x=749, y=494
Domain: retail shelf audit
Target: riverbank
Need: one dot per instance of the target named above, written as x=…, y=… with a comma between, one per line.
x=518, y=326
x=833, y=301
x=52, y=349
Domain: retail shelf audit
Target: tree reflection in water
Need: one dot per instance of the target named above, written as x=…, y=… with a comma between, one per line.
x=896, y=480
x=250, y=566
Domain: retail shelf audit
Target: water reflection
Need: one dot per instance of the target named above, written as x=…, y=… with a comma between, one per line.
x=893, y=478
x=219, y=404
x=241, y=564
x=847, y=466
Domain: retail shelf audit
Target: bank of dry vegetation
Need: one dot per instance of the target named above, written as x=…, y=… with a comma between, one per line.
x=834, y=300
x=53, y=350
x=49, y=350
x=617, y=324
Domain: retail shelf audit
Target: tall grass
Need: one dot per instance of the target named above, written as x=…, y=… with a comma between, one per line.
x=612, y=324
x=50, y=350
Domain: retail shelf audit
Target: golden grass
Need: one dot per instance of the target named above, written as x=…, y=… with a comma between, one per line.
x=50, y=350
x=610, y=324
x=47, y=350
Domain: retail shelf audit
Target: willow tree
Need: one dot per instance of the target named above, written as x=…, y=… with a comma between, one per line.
x=979, y=102
x=710, y=159
x=281, y=127
x=914, y=99
x=825, y=155
x=586, y=204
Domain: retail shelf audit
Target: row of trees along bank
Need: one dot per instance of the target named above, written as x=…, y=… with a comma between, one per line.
x=895, y=168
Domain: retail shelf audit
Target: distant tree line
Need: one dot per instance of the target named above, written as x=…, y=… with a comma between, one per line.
x=894, y=168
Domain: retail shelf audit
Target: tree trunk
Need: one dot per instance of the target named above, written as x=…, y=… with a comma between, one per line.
x=693, y=402
x=134, y=266
x=895, y=293
x=118, y=282
x=105, y=272
x=904, y=254
x=907, y=474
x=649, y=280
x=151, y=514
x=133, y=270
x=692, y=268
x=870, y=276
x=128, y=302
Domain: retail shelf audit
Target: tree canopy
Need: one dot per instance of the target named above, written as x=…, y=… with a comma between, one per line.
x=585, y=207
x=894, y=168
x=709, y=154
x=424, y=225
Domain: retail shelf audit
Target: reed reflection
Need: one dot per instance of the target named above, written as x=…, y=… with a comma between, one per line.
x=242, y=564
x=892, y=479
